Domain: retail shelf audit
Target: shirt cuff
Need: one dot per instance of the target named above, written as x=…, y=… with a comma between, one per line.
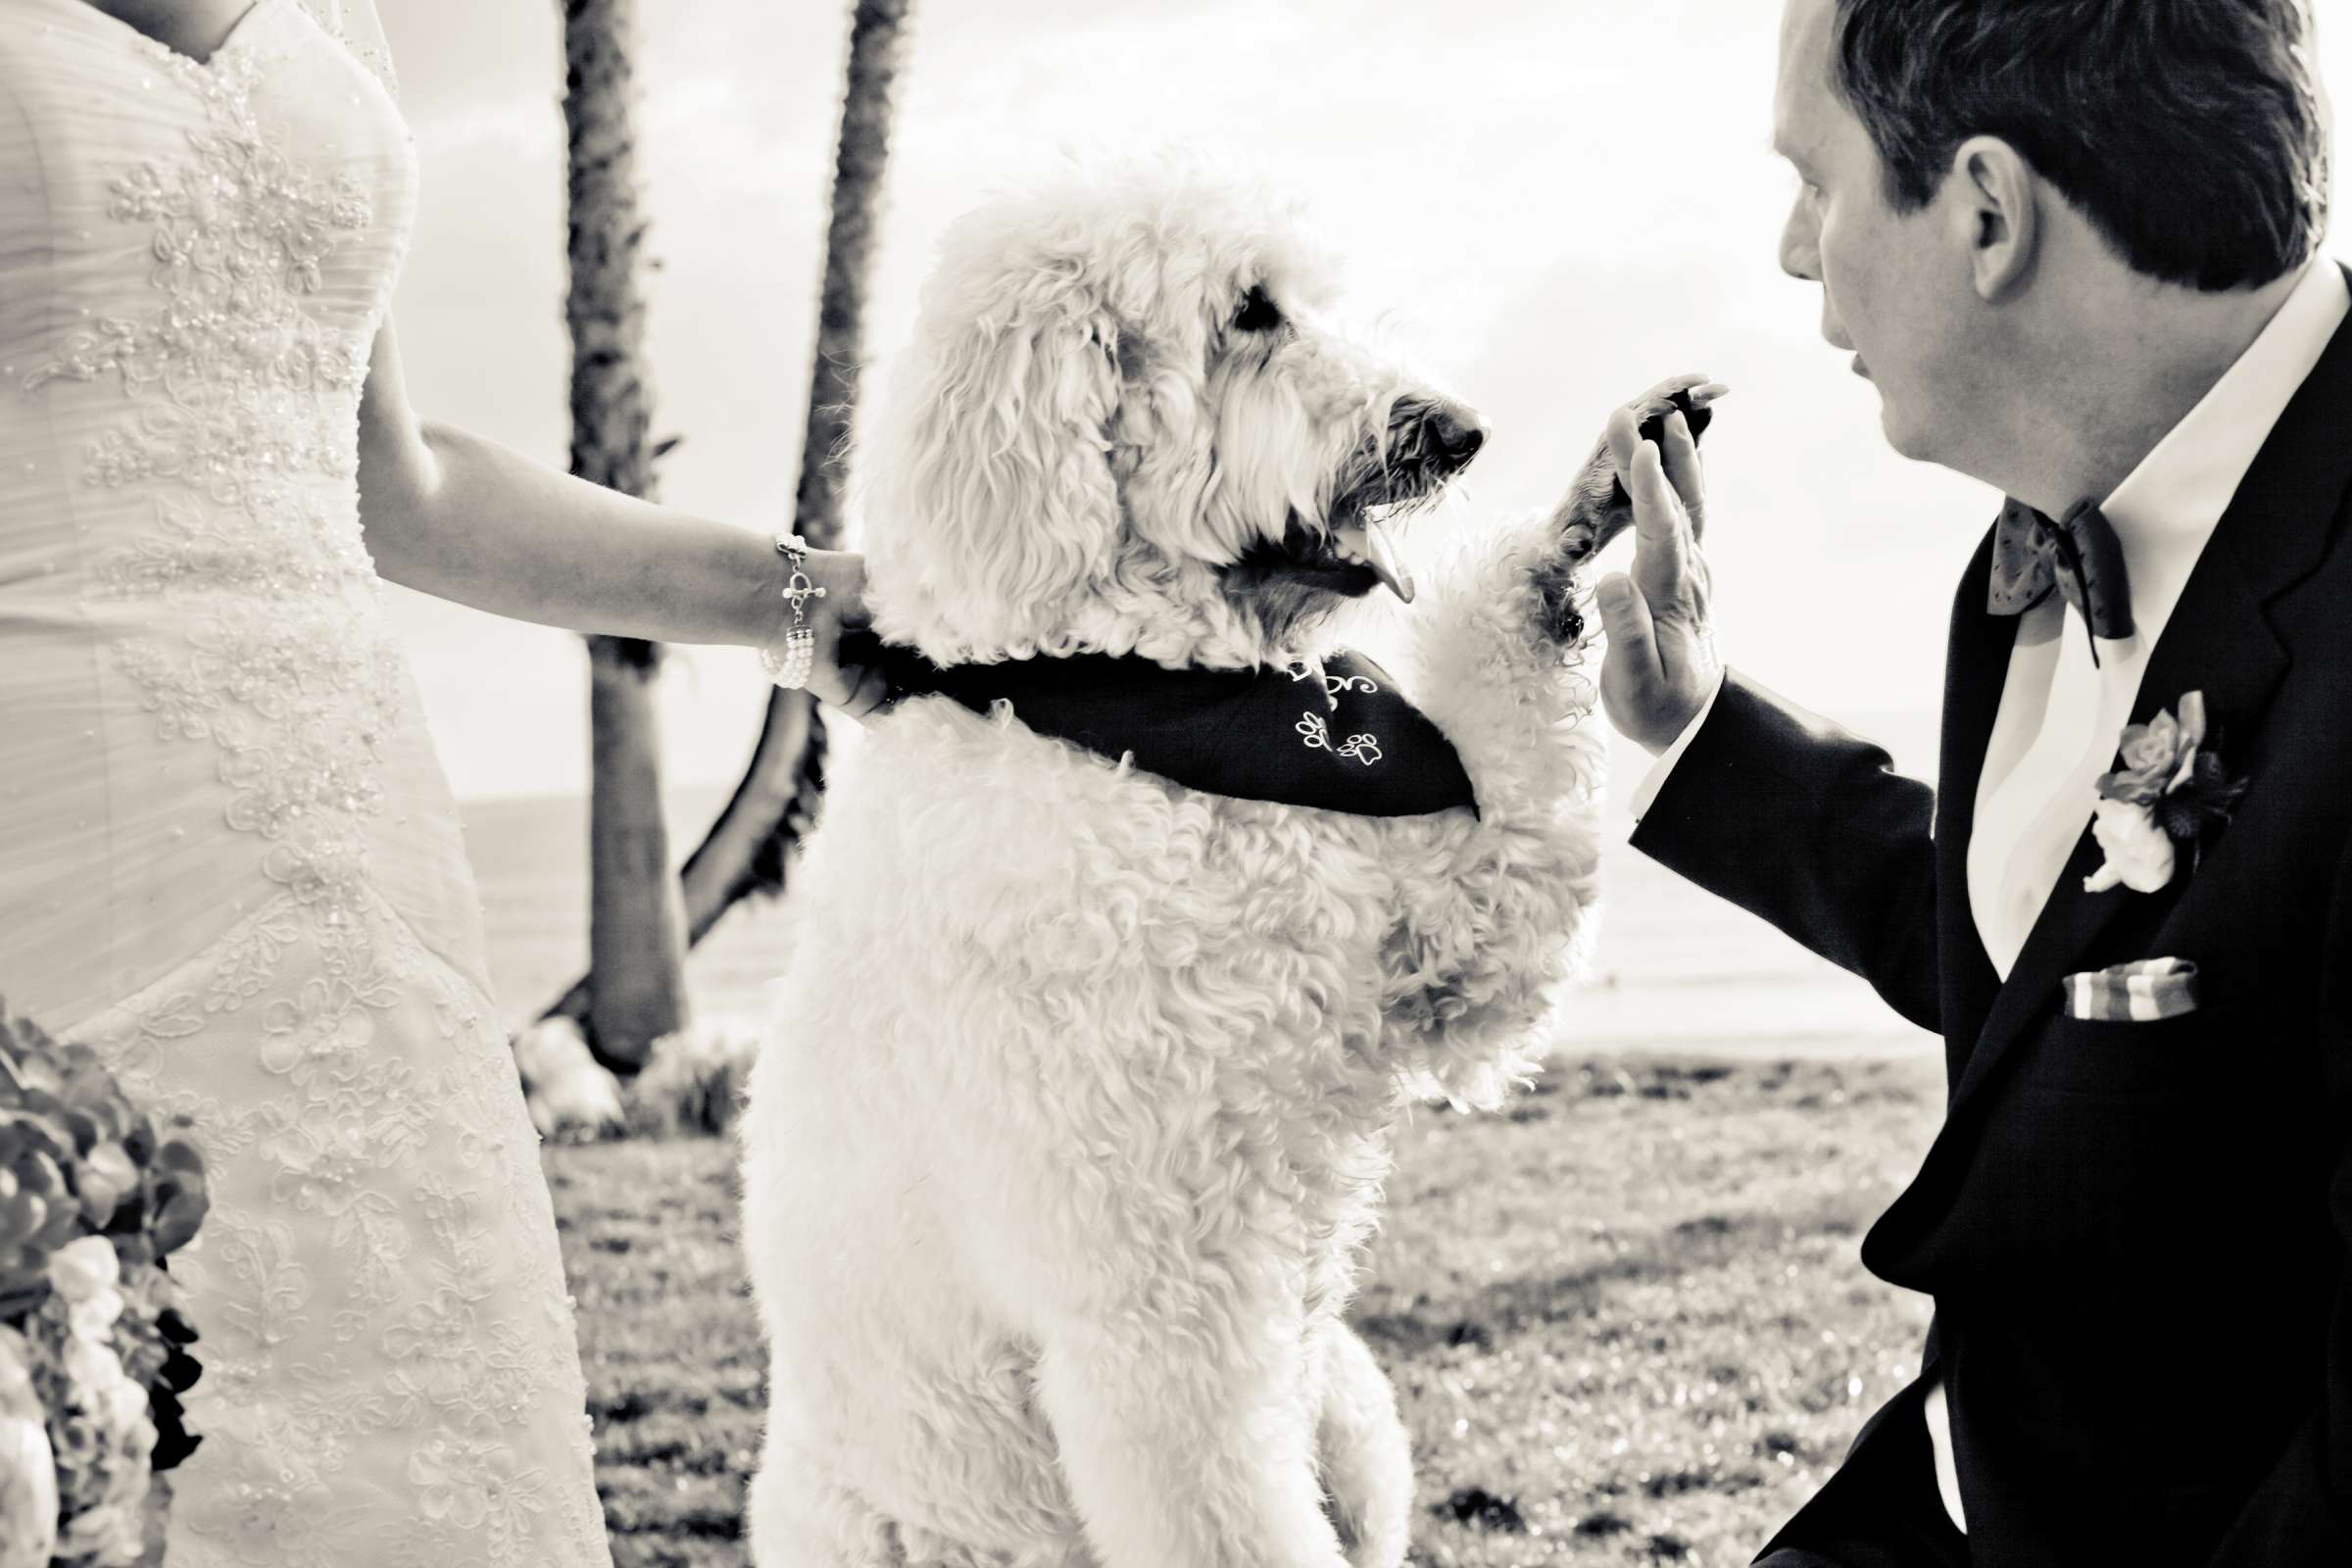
x=1656, y=780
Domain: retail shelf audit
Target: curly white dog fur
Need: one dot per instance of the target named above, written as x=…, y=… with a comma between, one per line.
x=1069, y=1133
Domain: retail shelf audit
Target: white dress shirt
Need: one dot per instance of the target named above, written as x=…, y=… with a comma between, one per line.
x=2061, y=718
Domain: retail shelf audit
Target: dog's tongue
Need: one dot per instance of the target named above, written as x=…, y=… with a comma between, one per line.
x=1369, y=542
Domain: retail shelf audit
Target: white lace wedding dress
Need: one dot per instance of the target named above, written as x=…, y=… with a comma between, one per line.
x=227, y=857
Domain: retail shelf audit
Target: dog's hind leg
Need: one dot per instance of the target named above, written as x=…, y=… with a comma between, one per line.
x=800, y=1518
x=1180, y=1459
x=1366, y=1464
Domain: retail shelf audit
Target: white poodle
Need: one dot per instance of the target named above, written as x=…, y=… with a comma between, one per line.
x=1068, y=1136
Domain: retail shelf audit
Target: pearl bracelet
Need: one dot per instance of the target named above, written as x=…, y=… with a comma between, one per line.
x=790, y=667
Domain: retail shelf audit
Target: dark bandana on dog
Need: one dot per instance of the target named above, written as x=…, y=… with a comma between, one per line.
x=1338, y=739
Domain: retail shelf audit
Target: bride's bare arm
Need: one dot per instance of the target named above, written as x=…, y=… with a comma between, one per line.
x=452, y=514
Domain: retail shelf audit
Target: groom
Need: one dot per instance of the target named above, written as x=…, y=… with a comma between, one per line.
x=2075, y=244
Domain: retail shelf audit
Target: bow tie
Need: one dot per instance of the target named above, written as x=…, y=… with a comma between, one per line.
x=2081, y=557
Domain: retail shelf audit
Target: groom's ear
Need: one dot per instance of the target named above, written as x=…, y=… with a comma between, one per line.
x=1995, y=194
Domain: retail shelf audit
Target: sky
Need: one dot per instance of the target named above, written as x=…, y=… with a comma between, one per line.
x=1555, y=202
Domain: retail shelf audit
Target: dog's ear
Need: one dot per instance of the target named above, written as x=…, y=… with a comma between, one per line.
x=1004, y=480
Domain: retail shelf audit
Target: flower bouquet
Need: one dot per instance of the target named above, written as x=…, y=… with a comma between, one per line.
x=93, y=1354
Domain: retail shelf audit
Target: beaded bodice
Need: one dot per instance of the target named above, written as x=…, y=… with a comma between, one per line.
x=195, y=259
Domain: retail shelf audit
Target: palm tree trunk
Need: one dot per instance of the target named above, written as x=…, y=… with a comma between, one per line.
x=749, y=848
x=636, y=920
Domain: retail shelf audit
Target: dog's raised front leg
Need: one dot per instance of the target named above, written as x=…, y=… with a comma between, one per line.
x=1490, y=918
x=1493, y=921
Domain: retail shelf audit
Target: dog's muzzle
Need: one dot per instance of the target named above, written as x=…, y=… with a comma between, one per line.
x=1430, y=440
x=1435, y=434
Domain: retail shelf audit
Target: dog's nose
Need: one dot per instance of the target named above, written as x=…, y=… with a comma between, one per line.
x=1455, y=432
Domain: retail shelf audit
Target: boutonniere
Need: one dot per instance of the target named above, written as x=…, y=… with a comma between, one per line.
x=2171, y=789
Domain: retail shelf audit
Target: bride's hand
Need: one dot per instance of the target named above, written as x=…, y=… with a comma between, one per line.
x=853, y=688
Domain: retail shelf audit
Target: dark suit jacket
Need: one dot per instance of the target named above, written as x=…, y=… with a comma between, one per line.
x=2136, y=1234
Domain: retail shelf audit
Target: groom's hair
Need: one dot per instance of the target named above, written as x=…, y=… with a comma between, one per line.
x=2190, y=132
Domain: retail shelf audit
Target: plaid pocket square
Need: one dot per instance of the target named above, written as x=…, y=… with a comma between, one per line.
x=2134, y=992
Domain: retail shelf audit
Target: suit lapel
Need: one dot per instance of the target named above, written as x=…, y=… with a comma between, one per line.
x=2219, y=640
x=2217, y=643
x=1975, y=672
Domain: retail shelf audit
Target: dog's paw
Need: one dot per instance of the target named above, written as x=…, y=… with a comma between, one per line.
x=1597, y=508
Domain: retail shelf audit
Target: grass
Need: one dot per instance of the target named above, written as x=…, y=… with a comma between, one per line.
x=1625, y=1320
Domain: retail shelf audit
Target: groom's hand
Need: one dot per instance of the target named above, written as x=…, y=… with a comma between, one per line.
x=1661, y=668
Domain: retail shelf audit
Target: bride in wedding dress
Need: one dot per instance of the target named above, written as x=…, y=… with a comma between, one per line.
x=227, y=857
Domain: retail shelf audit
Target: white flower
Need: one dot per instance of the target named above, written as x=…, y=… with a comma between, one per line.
x=82, y=1268
x=2139, y=855
x=84, y=1273
x=107, y=1176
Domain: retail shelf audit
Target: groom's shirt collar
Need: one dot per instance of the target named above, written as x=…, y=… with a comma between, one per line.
x=2166, y=510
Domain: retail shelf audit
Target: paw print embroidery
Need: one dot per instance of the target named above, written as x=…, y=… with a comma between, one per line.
x=1364, y=748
